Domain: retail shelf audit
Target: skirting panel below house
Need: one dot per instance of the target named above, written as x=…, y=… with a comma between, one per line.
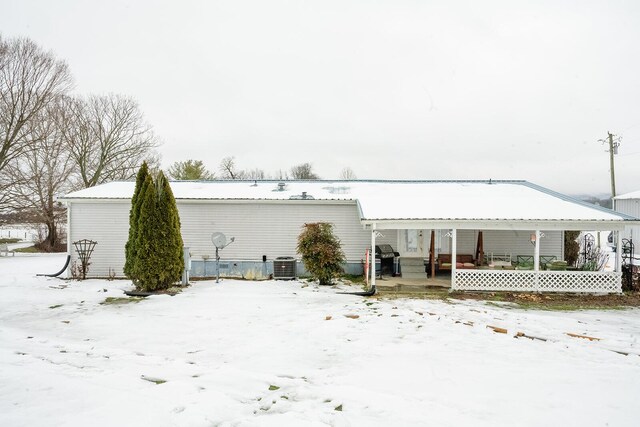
x=541, y=281
x=254, y=270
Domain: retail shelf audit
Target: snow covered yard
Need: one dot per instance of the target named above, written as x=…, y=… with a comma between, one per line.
x=267, y=353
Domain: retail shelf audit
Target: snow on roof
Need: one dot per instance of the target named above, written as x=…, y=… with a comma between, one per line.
x=392, y=200
x=632, y=195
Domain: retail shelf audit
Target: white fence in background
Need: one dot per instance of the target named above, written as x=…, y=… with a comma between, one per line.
x=541, y=281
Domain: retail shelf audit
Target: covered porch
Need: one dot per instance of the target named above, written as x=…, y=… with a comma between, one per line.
x=487, y=270
x=517, y=207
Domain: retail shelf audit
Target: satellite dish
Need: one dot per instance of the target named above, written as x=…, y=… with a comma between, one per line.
x=219, y=240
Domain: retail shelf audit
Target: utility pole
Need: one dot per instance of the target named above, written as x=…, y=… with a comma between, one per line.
x=613, y=149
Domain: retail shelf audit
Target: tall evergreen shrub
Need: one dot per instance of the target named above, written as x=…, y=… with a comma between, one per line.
x=134, y=213
x=158, y=262
x=321, y=252
x=172, y=251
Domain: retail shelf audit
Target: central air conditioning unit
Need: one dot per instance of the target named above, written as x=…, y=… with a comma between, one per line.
x=284, y=268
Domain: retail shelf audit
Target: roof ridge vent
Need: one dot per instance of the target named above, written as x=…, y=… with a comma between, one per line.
x=303, y=196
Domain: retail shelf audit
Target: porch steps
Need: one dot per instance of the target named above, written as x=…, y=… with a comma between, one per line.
x=412, y=268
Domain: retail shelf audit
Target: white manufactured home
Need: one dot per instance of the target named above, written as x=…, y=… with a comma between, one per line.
x=629, y=204
x=487, y=227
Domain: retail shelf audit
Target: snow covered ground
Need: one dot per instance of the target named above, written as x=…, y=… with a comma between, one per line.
x=263, y=353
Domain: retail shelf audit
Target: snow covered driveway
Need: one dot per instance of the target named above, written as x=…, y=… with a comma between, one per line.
x=263, y=353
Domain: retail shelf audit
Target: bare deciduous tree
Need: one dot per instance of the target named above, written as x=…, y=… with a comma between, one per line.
x=303, y=171
x=190, y=170
x=255, y=173
x=30, y=78
x=347, y=174
x=281, y=175
x=43, y=174
x=108, y=139
x=228, y=169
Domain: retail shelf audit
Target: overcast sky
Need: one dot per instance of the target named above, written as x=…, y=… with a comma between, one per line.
x=393, y=89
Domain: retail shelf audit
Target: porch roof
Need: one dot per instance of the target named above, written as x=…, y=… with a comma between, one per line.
x=402, y=204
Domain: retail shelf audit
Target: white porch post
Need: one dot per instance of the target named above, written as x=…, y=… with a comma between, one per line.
x=536, y=253
x=619, y=251
x=454, y=250
x=372, y=256
x=536, y=262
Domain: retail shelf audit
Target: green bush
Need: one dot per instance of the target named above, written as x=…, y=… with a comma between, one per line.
x=321, y=252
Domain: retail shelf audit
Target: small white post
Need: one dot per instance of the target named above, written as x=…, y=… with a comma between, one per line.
x=372, y=256
x=536, y=262
x=454, y=250
x=536, y=253
x=186, y=256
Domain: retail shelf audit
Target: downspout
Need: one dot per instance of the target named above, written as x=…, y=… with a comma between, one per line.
x=69, y=239
x=372, y=258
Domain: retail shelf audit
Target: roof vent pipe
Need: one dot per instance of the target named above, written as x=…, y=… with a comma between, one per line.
x=281, y=186
x=304, y=194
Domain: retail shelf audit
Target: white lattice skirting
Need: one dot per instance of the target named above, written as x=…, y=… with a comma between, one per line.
x=541, y=281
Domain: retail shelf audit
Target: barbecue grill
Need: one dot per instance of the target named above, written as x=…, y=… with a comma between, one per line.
x=388, y=259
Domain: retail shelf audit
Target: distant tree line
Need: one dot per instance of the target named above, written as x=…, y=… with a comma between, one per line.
x=228, y=170
x=53, y=142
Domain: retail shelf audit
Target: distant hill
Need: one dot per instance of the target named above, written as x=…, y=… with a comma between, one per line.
x=603, y=200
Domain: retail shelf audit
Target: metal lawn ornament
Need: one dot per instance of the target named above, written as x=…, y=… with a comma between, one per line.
x=84, y=248
x=588, y=247
x=219, y=240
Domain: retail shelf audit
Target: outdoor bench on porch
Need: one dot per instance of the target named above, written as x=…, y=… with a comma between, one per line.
x=462, y=261
x=525, y=262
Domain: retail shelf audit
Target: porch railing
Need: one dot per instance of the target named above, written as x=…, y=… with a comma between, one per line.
x=540, y=281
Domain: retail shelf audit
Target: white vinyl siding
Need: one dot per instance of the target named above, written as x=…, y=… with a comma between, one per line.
x=630, y=207
x=105, y=223
x=271, y=229
x=519, y=243
x=260, y=228
x=389, y=237
x=501, y=242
